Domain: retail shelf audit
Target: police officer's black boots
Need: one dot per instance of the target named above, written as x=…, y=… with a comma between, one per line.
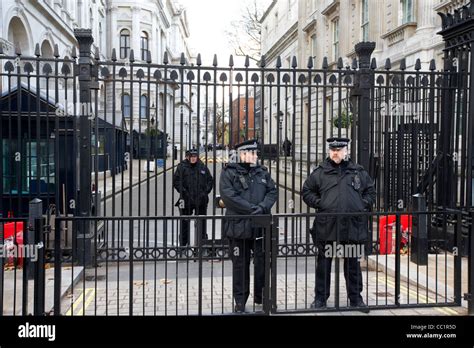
x=239, y=308
x=318, y=304
x=360, y=305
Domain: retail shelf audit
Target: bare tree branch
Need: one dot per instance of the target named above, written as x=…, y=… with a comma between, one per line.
x=222, y=126
x=245, y=33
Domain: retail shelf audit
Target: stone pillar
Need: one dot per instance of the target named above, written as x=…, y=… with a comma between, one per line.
x=80, y=13
x=112, y=35
x=377, y=15
x=425, y=15
x=153, y=39
x=135, y=35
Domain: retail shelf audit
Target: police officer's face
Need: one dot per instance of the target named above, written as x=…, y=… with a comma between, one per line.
x=337, y=155
x=193, y=159
x=249, y=157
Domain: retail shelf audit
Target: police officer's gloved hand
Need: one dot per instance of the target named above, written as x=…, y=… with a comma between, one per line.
x=257, y=210
x=316, y=203
x=367, y=206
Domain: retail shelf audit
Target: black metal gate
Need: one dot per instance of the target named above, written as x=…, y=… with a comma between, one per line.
x=97, y=142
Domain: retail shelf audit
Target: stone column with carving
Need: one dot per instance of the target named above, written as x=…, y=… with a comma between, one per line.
x=135, y=35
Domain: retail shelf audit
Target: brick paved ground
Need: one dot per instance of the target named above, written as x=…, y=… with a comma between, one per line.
x=174, y=290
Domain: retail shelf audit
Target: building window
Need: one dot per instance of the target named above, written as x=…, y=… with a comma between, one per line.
x=126, y=105
x=365, y=20
x=143, y=106
x=406, y=11
x=124, y=43
x=9, y=177
x=100, y=148
x=40, y=157
x=144, y=45
x=39, y=164
x=335, y=38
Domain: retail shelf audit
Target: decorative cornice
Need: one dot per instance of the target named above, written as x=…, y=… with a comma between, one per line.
x=310, y=26
x=331, y=8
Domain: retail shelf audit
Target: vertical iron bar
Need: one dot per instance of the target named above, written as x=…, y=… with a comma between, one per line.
x=458, y=260
x=274, y=264
x=267, y=253
x=470, y=270
x=57, y=265
x=39, y=286
x=397, y=259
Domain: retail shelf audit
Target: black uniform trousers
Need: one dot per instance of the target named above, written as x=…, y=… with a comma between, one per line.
x=240, y=254
x=189, y=210
x=352, y=275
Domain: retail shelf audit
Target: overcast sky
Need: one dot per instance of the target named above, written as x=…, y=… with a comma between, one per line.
x=208, y=21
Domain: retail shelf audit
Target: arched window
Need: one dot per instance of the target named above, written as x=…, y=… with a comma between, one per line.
x=126, y=105
x=143, y=106
x=18, y=36
x=124, y=43
x=46, y=49
x=144, y=45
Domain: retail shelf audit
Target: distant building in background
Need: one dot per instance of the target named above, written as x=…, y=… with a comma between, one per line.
x=126, y=114
x=154, y=28
x=401, y=29
x=243, y=121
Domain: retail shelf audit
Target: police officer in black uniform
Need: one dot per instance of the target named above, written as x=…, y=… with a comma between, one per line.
x=339, y=185
x=194, y=182
x=246, y=188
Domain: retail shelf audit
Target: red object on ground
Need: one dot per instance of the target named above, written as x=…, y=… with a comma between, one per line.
x=10, y=229
x=387, y=231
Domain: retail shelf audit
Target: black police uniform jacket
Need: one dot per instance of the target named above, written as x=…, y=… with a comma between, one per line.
x=193, y=183
x=344, y=188
x=243, y=191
